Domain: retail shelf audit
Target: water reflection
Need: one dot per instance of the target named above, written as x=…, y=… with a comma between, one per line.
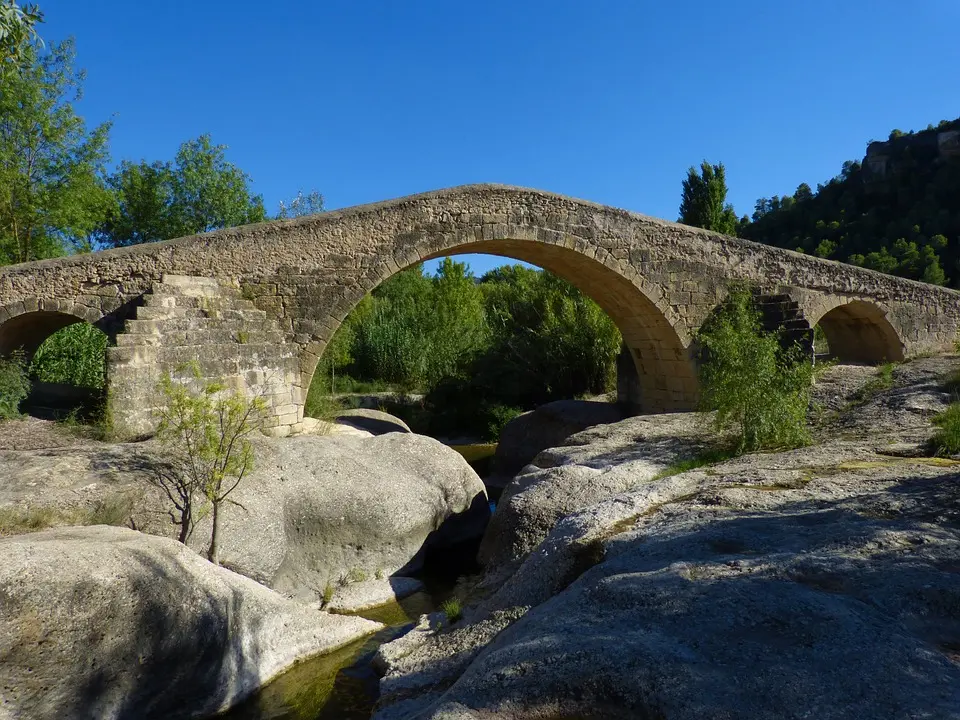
x=341, y=685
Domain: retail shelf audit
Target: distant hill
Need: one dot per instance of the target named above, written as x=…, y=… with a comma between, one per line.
x=897, y=211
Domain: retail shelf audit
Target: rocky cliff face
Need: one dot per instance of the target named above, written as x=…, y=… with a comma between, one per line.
x=820, y=582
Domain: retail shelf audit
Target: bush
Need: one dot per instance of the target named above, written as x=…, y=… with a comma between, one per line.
x=75, y=355
x=14, y=385
x=757, y=388
x=947, y=439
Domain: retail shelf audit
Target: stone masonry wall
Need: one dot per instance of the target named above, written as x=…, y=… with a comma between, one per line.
x=658, y=280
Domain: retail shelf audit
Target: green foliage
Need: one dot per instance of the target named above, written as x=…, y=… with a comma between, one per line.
x=420, y=330
x=704, y=202
x=549, y=340
x=75, y=355
x=481, y=350
x=328, y=591
x=453, y=609
x=702, y=459
x=946, y=441
x=17, y=30
x=356, y=575
x=52, y=196
x=199, y=191
x=301, y=205
x=206, y=428
x=114, y=510
x=904, y=220
x=14, y=385
x=757, y=388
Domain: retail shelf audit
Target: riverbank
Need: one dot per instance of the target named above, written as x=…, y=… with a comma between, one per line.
x=815, y=582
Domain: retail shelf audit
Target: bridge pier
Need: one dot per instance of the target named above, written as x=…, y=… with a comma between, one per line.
x=188, y=323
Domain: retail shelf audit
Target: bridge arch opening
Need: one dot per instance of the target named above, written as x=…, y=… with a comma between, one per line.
x=65, y=358
x=656, y=372
x=859, y=332
x=660, y=376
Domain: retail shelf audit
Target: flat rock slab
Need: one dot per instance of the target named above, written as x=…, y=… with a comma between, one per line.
x=375, y=422
x=104, y=622
x=371, y=593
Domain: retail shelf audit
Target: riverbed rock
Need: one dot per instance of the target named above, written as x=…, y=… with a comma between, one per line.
x=819, y=582
x=587, y=467
x=356, y=596
x=105, y=622
x=375, y=422
x=547, y=426
x=321, y=509
x=314, y=510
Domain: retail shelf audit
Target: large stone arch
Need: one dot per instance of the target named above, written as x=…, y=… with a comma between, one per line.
x=859, y=331
x=656, y=340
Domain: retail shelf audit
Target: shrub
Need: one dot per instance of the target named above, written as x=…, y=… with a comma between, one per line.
x=75, y=355
x=947, y=439
x=757, y=388
x=207, y=432
x=14, y=385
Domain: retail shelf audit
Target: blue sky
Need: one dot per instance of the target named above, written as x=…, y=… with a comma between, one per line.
x=610, y=100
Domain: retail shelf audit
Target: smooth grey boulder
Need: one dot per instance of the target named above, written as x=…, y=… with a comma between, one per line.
x=587, y=467
x=314, y=510
x=104, y=622
x=816, y=582
x=802, y=610
x=547, y=426
x=375, y=422
x=318, y=509
x=357, y=596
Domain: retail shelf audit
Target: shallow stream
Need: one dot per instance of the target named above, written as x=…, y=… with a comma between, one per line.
x=343, y=685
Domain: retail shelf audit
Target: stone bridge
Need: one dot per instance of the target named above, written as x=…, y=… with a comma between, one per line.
x=257, y=304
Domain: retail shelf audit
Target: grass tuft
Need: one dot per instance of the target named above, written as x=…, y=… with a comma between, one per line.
x=947, y=439
x=453, y=609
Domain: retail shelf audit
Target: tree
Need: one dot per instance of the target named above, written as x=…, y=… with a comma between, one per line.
x=199, y=191
x=704, y=200
x=206, y=431
x=301, y=205
x=52, y=195
x=17, y=30
x=884, y=222
x=757, y=388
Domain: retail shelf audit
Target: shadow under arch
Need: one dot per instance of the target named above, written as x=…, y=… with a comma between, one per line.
x=859, y=332
x=665, y=375
x=25, y=331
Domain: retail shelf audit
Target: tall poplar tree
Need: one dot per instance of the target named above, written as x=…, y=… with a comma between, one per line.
x=704, y=200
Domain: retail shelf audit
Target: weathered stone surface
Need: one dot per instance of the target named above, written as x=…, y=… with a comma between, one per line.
x=357, y=596
x=589, y=466
x=104, y=622
x=376, y=422
x=297, y=280
x=546, y=427
x=818, y=582
x=346, y=504
x=313, y=511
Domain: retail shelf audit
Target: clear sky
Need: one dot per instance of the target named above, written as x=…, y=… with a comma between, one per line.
x=608, y=100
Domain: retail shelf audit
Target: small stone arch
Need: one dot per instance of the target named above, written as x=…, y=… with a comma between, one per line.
x=24, y=325
x=859, y=332
x=653, y=336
